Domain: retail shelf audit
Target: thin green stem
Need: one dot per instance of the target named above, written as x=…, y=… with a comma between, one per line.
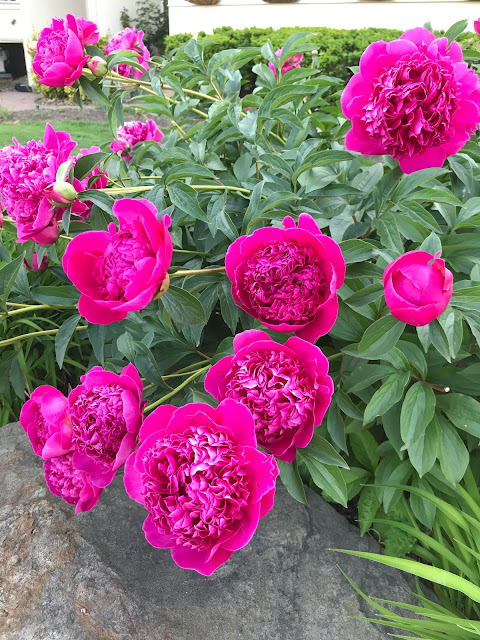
x=195, y=253
x=174, y=392
x=178, y=374
x=34, y=334
x=37, y=307
x=195, y=272
x=197, y=187
x=335, y=356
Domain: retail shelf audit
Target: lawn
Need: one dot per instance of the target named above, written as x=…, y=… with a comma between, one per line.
x=85, y=133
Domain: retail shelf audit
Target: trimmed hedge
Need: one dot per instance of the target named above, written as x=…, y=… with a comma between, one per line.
x=338, y=49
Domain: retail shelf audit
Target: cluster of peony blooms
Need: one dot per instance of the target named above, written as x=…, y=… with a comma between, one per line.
x=198, y=470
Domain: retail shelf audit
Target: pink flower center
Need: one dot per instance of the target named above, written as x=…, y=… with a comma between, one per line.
x=194, y=486
x=63, y=479
x=25, y=171
x=98, y=422
x=119, y=266
x=285, y=283
x=51, y=49
x=412, y=104
x=133, y=132
x=275, y=390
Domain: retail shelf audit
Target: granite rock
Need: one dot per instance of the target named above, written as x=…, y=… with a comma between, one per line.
x=94, y=577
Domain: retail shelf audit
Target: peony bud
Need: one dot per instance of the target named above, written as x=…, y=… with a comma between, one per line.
x=35, y=266
x=97, y=66
x=60, y=194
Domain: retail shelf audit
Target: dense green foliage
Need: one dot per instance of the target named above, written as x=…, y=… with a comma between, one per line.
x=407, y=402
x=338, y=49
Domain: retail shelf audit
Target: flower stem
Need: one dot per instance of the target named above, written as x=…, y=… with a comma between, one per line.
x=197, y=187
x=194, y=272
x=37, y=307
x=181, y=386
x=33, y=334
x=335, y=356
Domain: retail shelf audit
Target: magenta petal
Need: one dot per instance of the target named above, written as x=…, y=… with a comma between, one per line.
x=245, y=338
x=157, y=421
x=198, y=560
x=155, y=537
x=239, y=419
x=323, y=322
x=132, y=479
x=216, y=377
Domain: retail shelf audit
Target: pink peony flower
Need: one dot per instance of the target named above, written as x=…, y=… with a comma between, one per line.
x=414, y=98
x=205, y=485
x=285, y=387
x=418, y=287
x=106, y=412
x=288, y=278
x=84, y=208
x=120, y=271
x=60, y=54
x=132, y=133
x=44, y=419
x=133, y=41
x=290, y=63
x=25, y=172
x=35, y=266
x=476, y=26
x=71, y=484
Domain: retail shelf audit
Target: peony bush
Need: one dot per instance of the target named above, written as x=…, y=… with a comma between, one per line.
x=279, y=283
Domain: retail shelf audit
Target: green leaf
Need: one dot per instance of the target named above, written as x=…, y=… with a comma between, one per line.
x=182, y=307
x=228, y=308
x=431, y=244
x=389, y=394
x=411, y=182
x=462, y=410
x=357, y=251
x=326, y=477
x=364, y=447
x=103, y=200
x=380, y=337
x=368, y=506
x=86, y=164
x=56, y=295
x=96, y=335
x=365, y=375
x=418, y=409
x=366, y=295
x=62, y=338
x=420, y=214
x=126, y=346
x=322, y=451
x=452, y=452
x=93, y=90
x=254, y=208
x=423, y=451
x=432, y=574
x=336, y=426
x=451, y=322
x=292, y=481
x=455, y=30
x=185, y=198
x=8, y=275
x=387, y=228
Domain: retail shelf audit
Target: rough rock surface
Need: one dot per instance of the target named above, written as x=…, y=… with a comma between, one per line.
x=94, y=577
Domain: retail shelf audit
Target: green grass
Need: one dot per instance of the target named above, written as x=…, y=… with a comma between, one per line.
x=85, y=133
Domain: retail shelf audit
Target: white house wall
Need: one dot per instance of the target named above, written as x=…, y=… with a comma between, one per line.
x=239, y=14
x=106, y=13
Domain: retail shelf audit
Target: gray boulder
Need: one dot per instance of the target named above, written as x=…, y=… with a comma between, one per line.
x=94, y=577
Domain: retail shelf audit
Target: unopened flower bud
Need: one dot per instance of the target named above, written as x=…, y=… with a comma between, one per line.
x=60, y=194
x=97, y=66
x=35, y=266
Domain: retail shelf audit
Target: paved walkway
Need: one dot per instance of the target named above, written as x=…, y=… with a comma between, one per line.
x=18, y=101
